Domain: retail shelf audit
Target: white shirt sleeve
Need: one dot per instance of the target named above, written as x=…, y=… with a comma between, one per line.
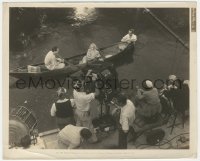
x=124, y=123
x=90, y=97
x=127, y=116
x=74, y=93
x=53, y=110
x=124, y=39
x=134, y=38
x=72, y=102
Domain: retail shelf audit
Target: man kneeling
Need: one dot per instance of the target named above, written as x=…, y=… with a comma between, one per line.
x=73, y=136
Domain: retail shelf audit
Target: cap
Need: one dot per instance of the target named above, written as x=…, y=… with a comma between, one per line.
x=148, y=84
x=61, y=90
x=172, y=77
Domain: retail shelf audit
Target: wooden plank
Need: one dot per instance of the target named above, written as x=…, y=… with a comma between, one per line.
x=48, y=132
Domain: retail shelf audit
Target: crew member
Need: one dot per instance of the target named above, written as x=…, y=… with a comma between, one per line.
x=148, y=102
x=26, y=143
x=82, y=101
x=53, y=60
x=126, y=110
x=63, y=109
x=73, y=136
x=177, y=92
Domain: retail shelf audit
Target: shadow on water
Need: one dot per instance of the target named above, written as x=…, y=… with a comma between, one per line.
x=124, y=59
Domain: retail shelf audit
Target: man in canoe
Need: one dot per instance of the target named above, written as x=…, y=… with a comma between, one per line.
x=53, y=60
x=92, y=54
x=127, y=39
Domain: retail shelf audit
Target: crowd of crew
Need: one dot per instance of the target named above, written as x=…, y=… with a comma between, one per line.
x=75, y=123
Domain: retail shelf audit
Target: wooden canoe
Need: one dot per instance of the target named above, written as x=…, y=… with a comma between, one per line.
x=111, y=53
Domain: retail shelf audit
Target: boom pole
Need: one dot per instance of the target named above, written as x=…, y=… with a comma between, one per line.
x=167, y=28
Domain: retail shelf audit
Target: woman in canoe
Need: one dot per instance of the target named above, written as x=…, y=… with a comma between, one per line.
x=92, y=54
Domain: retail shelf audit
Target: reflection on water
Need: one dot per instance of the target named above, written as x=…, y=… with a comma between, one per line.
x=154, y=49
x=83, y=15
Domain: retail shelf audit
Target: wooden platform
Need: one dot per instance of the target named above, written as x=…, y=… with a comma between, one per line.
x=109, y=140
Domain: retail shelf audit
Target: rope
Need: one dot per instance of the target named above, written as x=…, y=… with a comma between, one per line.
x=175, y=55
x=146, y=10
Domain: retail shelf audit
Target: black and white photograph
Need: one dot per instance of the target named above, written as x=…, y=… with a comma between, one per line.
x=100, y=77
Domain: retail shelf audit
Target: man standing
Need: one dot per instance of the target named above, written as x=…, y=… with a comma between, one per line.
x=63, y=109
x=177, y=92
x=82, y=101
x=73, y=136
x=53, y=60
x=127, y=116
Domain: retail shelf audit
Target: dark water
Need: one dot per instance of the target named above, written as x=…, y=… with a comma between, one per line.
x=156, y=55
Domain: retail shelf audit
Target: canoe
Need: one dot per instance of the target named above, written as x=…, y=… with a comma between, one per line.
x=111, y=54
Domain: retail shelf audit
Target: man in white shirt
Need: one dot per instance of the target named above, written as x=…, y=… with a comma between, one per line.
x=130, y=37
x=53, y=60
x=127, y=117
x=82, y=101
x=73, y=136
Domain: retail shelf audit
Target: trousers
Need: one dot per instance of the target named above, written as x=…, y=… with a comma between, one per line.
x=122, y=142
x=83, y=119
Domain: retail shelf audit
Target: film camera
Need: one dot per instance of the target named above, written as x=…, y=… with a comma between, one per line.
x=107, y=83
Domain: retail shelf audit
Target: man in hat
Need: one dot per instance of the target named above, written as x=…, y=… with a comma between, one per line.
x=53, y=60
x=62, y=109
x=148, y=102
x=126, y=110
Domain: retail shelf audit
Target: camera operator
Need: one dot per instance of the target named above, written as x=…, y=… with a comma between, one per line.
x=176, y=92
x=82, y=101
x=147, y=103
